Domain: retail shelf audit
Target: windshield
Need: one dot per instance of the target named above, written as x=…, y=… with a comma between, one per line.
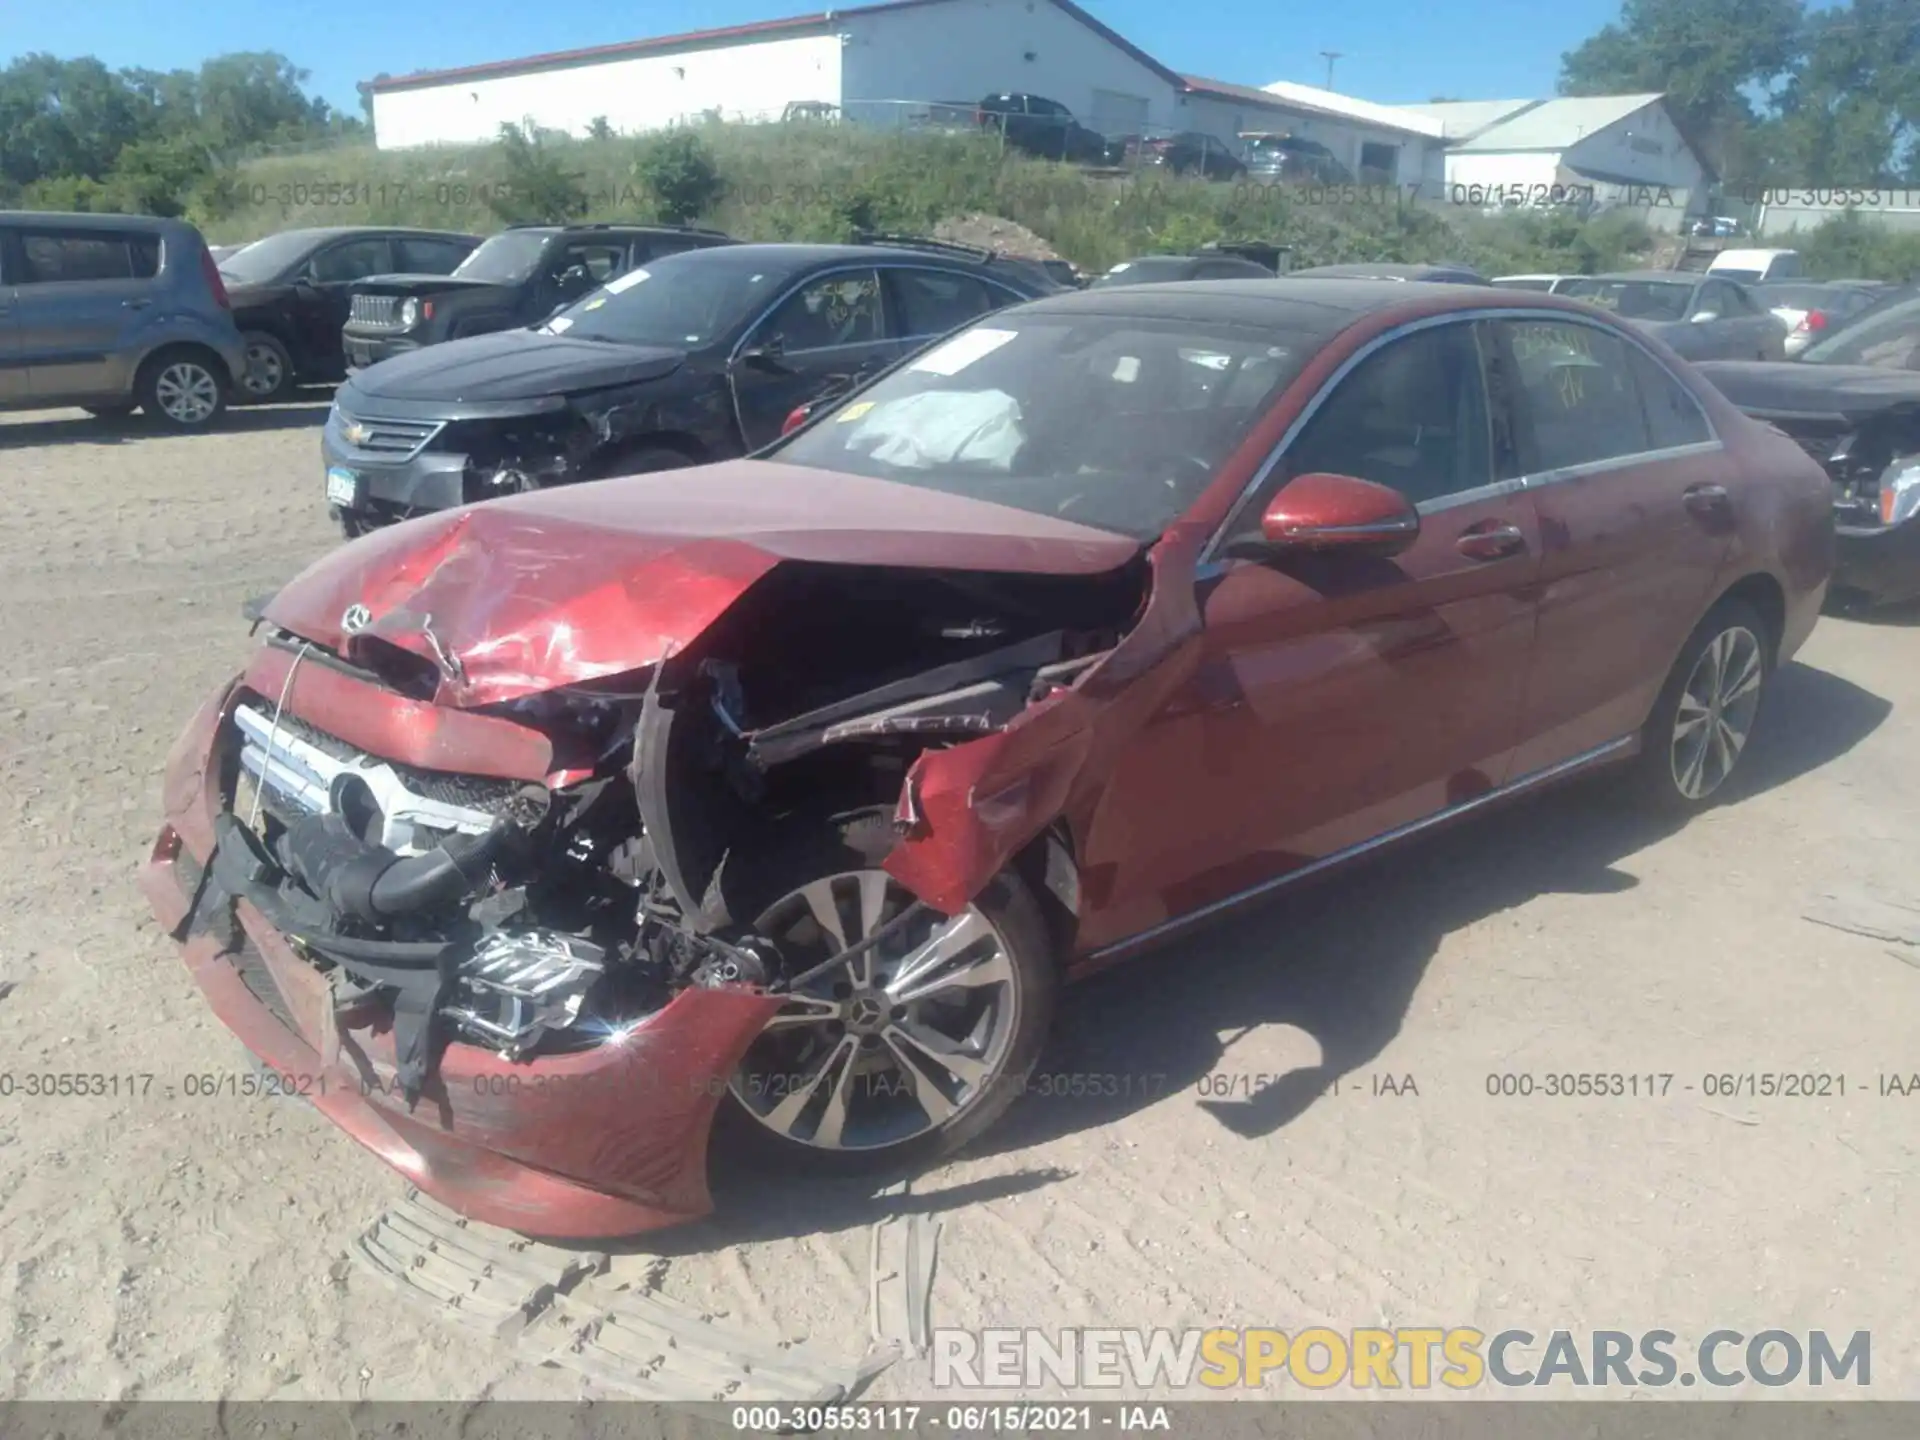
x=266, y=260
x=684, y=301
x=1634, y=299
x=1889, y=338
x=506, y=259
x=1109, y=421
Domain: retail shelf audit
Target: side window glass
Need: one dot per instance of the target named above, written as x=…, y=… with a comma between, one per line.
x=1576, y=385
x=933, y=302
x=355, y=260
x=838, y=309
x=1673, y=416
x=1412, y=415
x=428, y=257
x=53, y=257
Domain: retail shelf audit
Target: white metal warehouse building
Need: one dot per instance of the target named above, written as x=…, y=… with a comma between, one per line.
x=879, y=63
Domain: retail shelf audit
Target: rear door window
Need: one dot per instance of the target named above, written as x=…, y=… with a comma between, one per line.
x=71, y=256
x=1674, y=417
x=932, y=302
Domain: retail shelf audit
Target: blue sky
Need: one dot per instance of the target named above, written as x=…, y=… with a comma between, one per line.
x=1395, y=51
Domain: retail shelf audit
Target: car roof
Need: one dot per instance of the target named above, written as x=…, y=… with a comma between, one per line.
x=89, y=219
x=318, y=233
x=1385, y=270
x=1319, y=308
x=1670, y=277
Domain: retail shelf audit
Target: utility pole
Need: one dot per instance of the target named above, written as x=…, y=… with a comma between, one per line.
x=1330, y=56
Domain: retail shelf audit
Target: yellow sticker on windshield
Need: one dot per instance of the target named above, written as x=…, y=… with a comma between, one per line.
x=853, y=412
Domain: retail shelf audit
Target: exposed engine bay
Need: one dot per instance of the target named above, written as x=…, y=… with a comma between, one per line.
x=536, y=919
x=1862, y=456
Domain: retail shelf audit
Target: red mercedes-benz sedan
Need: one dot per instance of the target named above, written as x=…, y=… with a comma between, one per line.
x=541, y=836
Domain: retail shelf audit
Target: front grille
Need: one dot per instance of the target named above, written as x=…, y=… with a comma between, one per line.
x=308, y=771
x=375, y=435
x=373, y=311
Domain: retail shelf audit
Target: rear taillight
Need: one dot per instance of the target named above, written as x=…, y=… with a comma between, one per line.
x=795, y=419
x=211, y=271
x=1813, y=320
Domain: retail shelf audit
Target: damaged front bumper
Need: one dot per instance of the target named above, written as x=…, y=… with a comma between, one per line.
x=1880, y=562
x=603, y=1141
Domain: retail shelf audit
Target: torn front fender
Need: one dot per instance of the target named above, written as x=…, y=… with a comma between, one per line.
x=967, y=811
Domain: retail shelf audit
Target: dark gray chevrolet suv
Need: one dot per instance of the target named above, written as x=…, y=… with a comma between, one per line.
x=113, y=313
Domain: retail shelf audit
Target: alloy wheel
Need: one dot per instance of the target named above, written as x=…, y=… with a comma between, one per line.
x=187, y=393
x=901, y=1041
x=1716, y=711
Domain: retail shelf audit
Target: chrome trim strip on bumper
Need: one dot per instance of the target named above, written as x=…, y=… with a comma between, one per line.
x=1119, y=949
x=311, y=779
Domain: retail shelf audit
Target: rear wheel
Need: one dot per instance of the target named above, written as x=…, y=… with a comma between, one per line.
x=269, y=369
x=911, y=1050
x=182, y=389
x=1706, y=712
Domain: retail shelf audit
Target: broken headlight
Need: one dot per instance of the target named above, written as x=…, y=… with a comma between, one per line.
x=1900, y=490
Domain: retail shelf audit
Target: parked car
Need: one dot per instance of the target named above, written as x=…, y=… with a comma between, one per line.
x=1852, y=400
x=1190, y=152
x=1754, y=267
x=1702, y=316
x=292, y=291
x=696, y=356
x=1716, y=227
x=1275, y=155
x=1034, y=654
x=1156, y=269
x=517, y=278
x=221, y=252
x=1548, y=284
x=1810, y=309
x=1441, y=274
x=1041, y=127
x=114, y=313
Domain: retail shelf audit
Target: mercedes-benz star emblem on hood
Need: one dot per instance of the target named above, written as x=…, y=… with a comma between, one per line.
x=356, y=619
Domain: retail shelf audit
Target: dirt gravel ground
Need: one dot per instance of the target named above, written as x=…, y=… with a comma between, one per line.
x=172, y=1247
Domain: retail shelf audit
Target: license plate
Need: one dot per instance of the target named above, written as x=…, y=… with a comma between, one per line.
x=343, y=488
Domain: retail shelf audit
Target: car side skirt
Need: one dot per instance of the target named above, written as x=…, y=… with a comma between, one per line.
x=1613, y=750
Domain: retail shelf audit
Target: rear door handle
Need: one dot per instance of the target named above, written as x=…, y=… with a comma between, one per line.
x=1495, y=543
x=1707, y=501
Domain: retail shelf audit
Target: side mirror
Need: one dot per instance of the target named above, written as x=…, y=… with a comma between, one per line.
x=765, y=358
x=1339, y=514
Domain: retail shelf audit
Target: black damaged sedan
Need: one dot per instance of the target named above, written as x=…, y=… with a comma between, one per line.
x=1852, y=400
x=698, y=356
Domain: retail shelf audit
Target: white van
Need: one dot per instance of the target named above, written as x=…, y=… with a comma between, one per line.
x=1756, y=267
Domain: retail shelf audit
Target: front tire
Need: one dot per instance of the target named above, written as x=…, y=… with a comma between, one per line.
x=911, y=1052
x=1704, y=718
x=183, y=390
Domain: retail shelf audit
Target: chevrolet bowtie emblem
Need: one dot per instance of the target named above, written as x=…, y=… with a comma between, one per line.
x=354, y=432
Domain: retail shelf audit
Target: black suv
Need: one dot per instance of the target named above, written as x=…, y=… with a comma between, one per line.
x=698, y=356
x=517, y=278
x=1043, y=128
x=291, y=291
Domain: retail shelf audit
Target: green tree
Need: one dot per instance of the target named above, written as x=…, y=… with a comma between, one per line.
x=1710, y=58
x=679, y=170
x=600, y=128
x=538, y=186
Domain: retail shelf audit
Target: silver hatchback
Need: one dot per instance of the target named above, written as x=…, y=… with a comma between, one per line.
x=113, y=313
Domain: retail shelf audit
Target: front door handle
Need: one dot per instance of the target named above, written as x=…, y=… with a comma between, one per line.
x=1493, y=543
x=1709, y=502
x=135, y=304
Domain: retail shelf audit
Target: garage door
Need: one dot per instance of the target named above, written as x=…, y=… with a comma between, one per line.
x=1115, y=114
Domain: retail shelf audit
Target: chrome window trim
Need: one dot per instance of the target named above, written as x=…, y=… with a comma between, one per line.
x=889, y=263
x=1209, y=552
x=1598, y=755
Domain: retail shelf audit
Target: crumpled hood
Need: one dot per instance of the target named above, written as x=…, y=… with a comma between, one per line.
x=517, y=596
x=1768, y=388
x=509, y=365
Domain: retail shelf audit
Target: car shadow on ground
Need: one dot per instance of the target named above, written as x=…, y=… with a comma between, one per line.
x=1339, y=959
x=78, y=428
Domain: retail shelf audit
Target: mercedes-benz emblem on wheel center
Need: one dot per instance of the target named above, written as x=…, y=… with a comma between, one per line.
x=357, y=618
